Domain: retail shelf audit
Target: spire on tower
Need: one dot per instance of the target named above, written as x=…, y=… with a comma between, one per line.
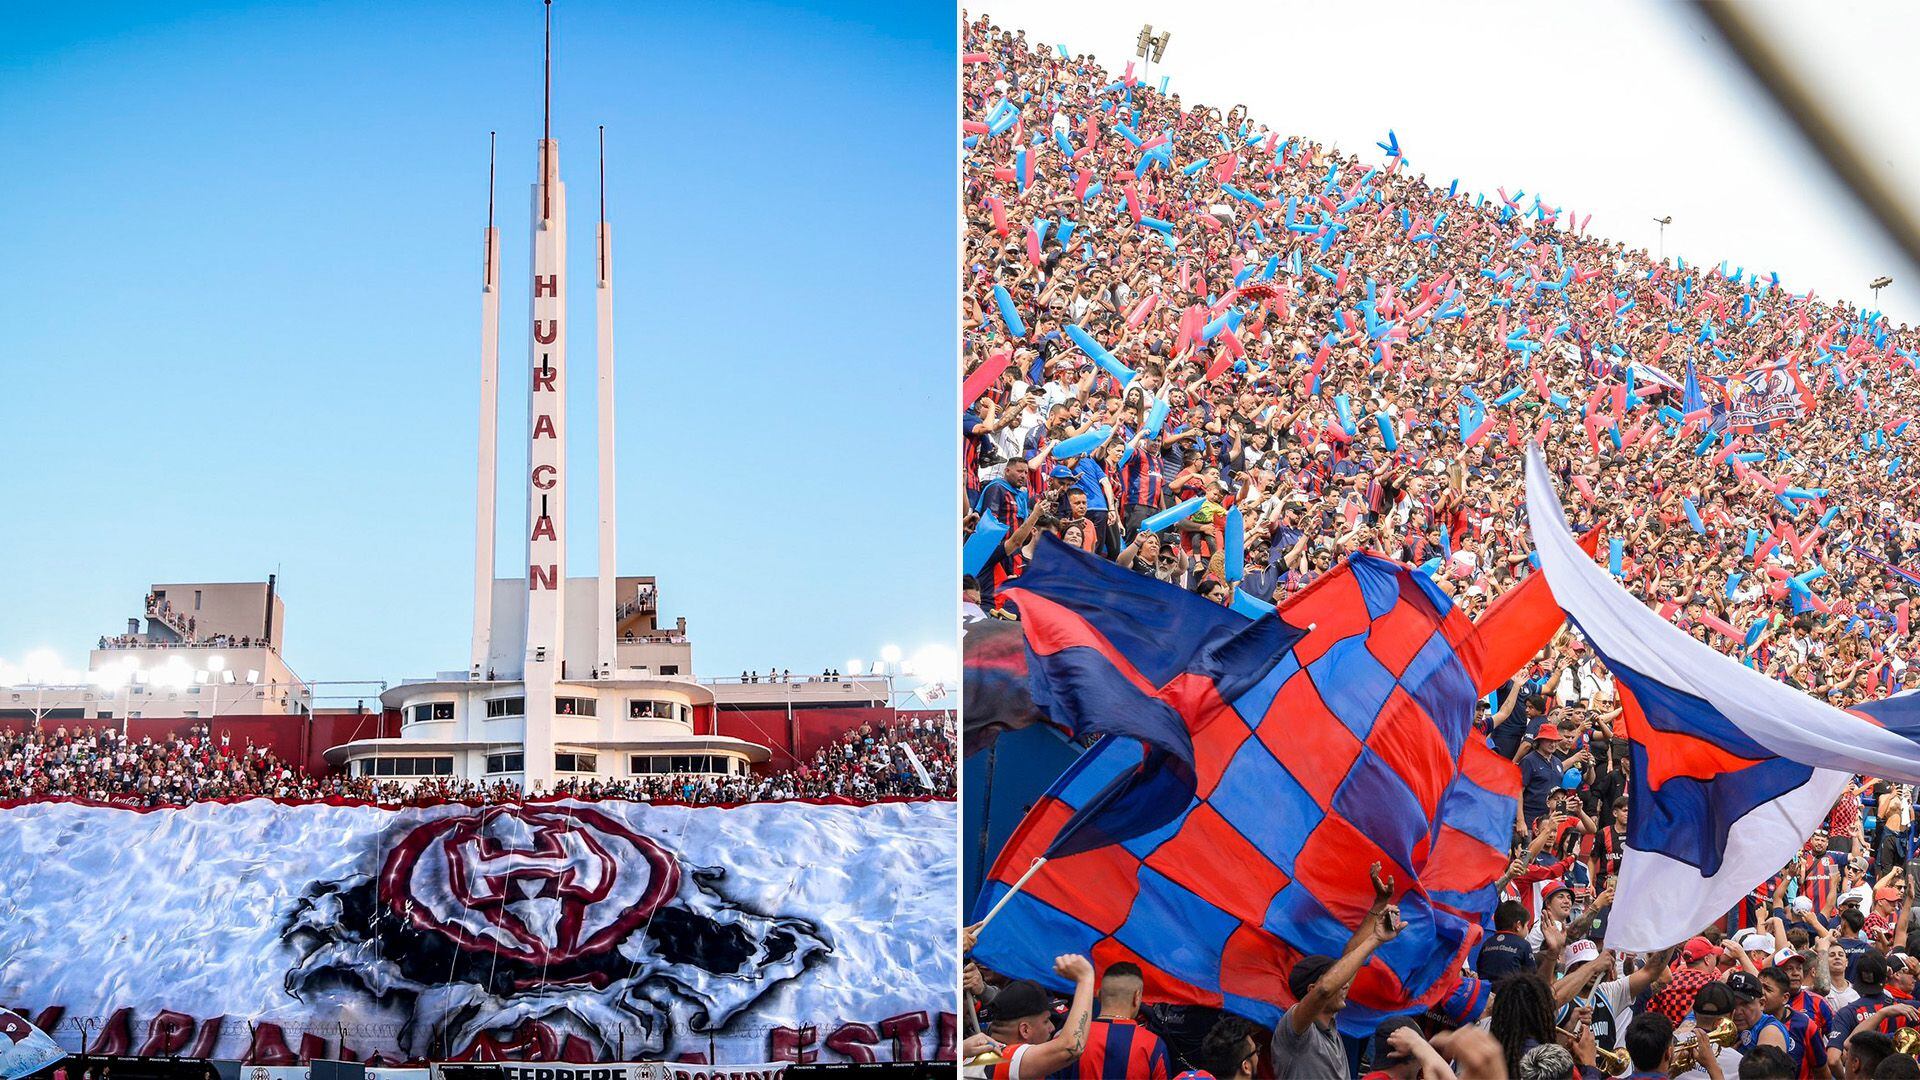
x=488, y=274
x=602, y=252
x=546, y=123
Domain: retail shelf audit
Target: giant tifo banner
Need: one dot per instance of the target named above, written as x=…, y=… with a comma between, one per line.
x=277, y=933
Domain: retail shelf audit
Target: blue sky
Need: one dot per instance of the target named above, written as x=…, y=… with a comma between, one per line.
x=240, y=321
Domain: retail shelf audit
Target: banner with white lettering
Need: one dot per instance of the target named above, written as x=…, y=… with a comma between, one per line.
x=563, y=930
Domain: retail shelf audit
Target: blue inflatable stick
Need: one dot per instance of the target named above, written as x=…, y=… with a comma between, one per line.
x=1098, y=353
x=1082, y=443
x=1173, y=515
x=1008, y=313
x=1233, y=559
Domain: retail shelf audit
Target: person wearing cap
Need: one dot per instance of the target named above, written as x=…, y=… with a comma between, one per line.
x=1901, y=969
x=1874, y=1010
x=1540, y=772
x=1712, y=1003
x=1610, y=1001
x=1400, y=1053
x=1305, y=1044
x=1820, y=875
x=1021, y=1021
x=1804, y=993
x=1695, y=969
x=1556, y=907
x=1758, y=947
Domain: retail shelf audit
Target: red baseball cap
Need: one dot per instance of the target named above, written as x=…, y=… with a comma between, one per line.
x=1697, y=949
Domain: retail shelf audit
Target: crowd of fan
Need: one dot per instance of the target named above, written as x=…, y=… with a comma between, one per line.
x=102, y=765
x=1354, y=357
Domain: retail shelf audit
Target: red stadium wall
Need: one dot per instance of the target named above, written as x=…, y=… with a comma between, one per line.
x=795, y=737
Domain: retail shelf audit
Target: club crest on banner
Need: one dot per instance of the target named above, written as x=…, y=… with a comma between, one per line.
x=546, y=885
x=484, y=920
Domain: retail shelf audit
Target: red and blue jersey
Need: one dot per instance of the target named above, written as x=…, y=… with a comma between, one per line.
x=1119, y=1048
x=1806, y=1045
x=1815, y=1007
x=1818, y=884
x=1142, y=481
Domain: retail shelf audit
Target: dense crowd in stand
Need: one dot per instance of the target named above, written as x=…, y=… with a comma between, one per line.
x=99, y=764
x=1340, y=354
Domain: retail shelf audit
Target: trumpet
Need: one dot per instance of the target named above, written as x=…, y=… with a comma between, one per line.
x=1612, y=1062
x=1905, y=1040
x=1723, y=1035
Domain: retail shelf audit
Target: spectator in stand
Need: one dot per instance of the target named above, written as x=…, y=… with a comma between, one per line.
x=1355, y=358
x=99, y=764
x=1116, y=1043
x=1022, y=1024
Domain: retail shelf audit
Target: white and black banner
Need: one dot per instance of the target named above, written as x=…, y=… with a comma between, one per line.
x=553, y=931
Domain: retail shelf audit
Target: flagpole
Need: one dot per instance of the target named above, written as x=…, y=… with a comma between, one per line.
x=1031, y=870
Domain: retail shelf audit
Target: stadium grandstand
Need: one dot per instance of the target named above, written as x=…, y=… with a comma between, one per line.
x=1221, y=355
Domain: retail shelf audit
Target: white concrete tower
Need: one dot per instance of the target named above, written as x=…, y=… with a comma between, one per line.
x=489, y=439
x=604, y=645
x=546, y=449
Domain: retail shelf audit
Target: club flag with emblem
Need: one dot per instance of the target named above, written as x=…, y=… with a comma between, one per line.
x=24, y=1049
x=1331, y=734
x=1732, y=771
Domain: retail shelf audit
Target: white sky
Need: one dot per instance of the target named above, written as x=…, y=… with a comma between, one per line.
x=1625, y=110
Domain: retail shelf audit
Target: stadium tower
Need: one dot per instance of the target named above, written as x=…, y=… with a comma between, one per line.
x=568, y=678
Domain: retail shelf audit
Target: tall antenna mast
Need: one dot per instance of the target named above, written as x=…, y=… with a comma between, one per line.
x=603, y=202
x=491, y=135
x=480, y=661
x=606, y=653
x=546, y=122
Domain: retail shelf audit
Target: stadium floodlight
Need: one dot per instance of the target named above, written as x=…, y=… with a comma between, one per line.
x=1663, y=222
x=1876, y=285
x=201, y=677
x=216, y=663
x=936, y=663
x=879, y=667
x=227, y=677
x=42, y=667
x=1143, y=45
x=252, y=676
x=853, y=666
x=890, y=654
x=1160, y=46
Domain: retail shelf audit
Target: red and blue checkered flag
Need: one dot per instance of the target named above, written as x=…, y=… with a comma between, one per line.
x=1331, y=734
x=1113, y=653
